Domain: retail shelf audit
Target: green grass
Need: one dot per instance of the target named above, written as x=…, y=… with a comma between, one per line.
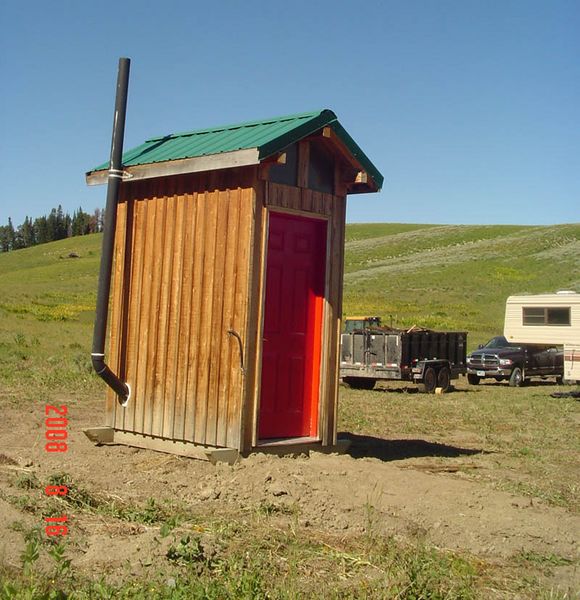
x=225, y=557
x=363, y=231
x=47, y=304
x=226, y=563
x=445, y=277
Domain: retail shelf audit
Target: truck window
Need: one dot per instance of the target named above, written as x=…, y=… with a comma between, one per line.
x=499, y=342
x=357, y=324
x=540, y=315
x=352, y=325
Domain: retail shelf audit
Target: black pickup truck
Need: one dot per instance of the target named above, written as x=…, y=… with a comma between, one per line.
x=503, y=360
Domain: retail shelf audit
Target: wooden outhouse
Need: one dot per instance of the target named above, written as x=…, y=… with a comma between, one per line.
x=227, y=286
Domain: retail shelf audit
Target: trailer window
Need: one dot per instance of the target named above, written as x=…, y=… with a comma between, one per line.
x=538, y=315
x=558, y=316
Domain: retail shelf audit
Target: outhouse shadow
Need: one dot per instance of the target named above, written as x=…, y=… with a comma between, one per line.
x=366, y=446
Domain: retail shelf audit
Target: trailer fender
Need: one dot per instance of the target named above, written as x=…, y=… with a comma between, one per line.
x=432, y=374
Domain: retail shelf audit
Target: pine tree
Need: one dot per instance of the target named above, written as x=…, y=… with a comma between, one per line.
x=56, y=226
x=26, y=231
x=41, y=232
x=51, y=226
x=11, y=234
x=68, y=225
x=4, y=239
x=81, y=223
x=61, y=224
x=18, y=242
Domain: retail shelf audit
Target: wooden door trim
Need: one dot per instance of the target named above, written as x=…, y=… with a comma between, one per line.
x=322, y=408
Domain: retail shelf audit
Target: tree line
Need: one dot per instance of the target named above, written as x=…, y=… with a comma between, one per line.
x=57, y=225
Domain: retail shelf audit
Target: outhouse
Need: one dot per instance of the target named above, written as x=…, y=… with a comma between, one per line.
x=227, y=286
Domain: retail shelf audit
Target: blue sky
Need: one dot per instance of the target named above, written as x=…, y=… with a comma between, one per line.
x=471, y=109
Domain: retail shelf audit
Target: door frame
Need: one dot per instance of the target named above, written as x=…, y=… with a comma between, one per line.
x=323, y=330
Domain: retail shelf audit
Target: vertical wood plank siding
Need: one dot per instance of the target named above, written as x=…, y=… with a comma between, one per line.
x=189, y=268
x=181, y=281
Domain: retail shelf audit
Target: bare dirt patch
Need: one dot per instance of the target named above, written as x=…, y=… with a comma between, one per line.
x=436, y=488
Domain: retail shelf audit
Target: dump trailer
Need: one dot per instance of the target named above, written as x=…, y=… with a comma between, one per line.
x=371, y=352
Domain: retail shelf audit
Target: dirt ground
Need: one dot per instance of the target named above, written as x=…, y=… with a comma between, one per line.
x=406, y=488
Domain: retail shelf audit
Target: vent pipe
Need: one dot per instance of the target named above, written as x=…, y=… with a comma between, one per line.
x=113, y=185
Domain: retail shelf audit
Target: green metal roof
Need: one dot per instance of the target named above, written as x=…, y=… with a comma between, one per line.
x=268, y=136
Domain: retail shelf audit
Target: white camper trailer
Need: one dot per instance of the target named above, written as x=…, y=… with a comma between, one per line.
x=547, y=319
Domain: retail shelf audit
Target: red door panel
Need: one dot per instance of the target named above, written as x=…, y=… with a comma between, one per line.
x=295, y=275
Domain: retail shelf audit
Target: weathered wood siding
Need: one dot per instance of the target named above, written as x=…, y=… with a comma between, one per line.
x=274, y=196
x=181, y=282
x=189, y=267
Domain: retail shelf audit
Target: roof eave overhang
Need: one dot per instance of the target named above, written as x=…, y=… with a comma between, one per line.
x=369, y=178
x=197, y=164
x=361, y=176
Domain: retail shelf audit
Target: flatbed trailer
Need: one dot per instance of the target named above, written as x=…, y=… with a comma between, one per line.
x=422, y=356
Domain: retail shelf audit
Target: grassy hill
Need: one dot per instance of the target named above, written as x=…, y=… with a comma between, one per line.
x=47, y=303
x=455, y=276
x=446, y=277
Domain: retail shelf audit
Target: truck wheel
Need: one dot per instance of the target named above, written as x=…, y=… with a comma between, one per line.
x=359, y=383
x=430, y=380
x=559, y=379
x=517, y=377
x=473, y=379
x=444, y=379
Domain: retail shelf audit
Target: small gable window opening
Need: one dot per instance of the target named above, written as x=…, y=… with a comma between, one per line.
x=320, y=165
x=540, y=315
x=286, y=169
x=321, y=170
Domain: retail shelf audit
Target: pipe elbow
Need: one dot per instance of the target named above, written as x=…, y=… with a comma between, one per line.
x=101, y=368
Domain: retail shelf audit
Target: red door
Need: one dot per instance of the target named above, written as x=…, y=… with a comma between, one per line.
x=295, y=275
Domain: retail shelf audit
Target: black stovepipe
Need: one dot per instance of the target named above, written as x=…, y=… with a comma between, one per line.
x=115, y=177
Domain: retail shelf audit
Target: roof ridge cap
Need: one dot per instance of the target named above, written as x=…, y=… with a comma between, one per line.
x=233, y=126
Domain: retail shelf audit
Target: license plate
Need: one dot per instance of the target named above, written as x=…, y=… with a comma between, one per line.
x=480, y=373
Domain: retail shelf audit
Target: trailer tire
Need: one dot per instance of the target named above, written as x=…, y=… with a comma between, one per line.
x=430, y=380
x=473, y=379
x=359, y=383
x=517, y=377
x=444, y=379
